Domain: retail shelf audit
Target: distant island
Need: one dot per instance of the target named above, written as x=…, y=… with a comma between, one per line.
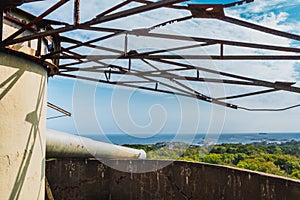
x=262, y=133
x=279, y=159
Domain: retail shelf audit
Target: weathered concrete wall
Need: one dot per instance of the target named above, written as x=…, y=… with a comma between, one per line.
x=90, y=179
x=22, y=128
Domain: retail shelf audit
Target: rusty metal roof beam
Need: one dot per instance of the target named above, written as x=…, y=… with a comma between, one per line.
x=72, y=56
x=189, y=57
x=121, y=84
x=53, y=22
x=106, y=18
x=14, y=3
x=173, y=79
x=70, y=64
x=144, y=32
x=149, y=64
x=232, y=43
x=216, y=11
x=167, y=75
x=248, y=94
x=50, y=105
x=198, y=95
x=34, y=21
x=167, y=6
x=132, y=11
x=208, y=42
x=225, y=42
x=120, y=5
x=181, y=92
x=76, y=12
x=214, y=80
x=262, y=28
x=86, y=44
x=43, y=34
x=71, y=52
x=163, y=74
x=169, y=22
x=254, y=82
x=277, y=85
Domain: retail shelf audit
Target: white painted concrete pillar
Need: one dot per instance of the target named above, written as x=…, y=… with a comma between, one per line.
x=23, y=85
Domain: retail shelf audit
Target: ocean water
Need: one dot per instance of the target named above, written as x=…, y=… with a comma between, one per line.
x=198, y=139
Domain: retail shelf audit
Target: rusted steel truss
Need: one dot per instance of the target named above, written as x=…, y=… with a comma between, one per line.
x=54, y=107
x=172, y=78
x=14, y=3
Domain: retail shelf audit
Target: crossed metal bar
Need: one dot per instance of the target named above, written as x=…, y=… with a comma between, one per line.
x=155, y=58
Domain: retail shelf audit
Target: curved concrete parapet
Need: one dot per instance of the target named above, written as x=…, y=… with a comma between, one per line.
x=91, y=179
x=23, y=86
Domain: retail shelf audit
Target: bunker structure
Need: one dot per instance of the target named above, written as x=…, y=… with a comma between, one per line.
x=35, y=47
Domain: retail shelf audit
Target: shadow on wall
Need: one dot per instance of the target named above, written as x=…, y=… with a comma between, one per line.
x=11, y=81
x=34, y=119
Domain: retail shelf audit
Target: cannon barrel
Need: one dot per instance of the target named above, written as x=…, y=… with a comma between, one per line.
x=61, y=145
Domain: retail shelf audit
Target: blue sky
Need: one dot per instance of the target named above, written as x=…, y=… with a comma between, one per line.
x=111, y=110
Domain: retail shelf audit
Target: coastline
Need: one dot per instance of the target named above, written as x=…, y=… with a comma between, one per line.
x=197, y=139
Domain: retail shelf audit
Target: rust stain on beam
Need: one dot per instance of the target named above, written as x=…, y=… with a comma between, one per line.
x=76, y=12
x=207, y=10
x=262, y=28
x=58, y=109
x=36, y=20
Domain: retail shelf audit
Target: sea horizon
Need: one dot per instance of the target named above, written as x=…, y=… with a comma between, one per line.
x=197, y=139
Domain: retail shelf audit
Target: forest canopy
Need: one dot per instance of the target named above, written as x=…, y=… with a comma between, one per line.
x=279, y=159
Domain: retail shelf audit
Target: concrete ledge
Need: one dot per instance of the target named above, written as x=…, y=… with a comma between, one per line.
x=91, y=179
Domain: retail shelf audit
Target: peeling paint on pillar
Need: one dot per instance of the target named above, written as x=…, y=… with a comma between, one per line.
x=95, y=180
x=22, y=127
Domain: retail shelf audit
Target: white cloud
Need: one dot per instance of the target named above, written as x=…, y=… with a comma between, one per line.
x=261, y=12
x=262, y=6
